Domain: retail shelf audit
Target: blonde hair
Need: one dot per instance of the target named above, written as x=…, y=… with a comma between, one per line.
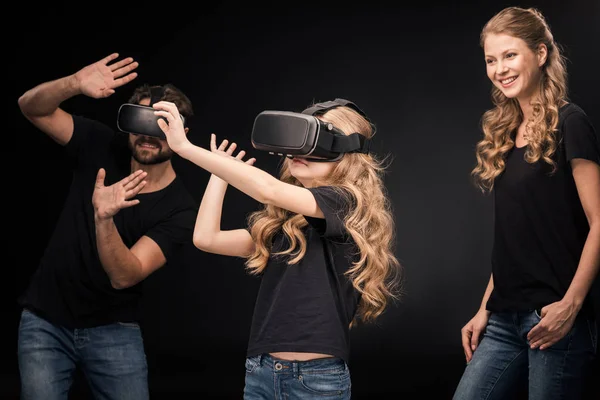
x=369, y=221
x=499, y=123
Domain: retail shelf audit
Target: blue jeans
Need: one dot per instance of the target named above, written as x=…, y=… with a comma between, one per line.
x=269, y=378
x=503, y=358
x=111, y=357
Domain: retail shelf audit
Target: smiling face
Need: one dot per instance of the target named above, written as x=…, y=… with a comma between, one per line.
x=512, y=66
x=149, y=150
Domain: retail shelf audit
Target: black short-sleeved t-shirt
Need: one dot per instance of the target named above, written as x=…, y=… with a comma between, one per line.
x=540, y=224
x=70, y=286
x=307, y=307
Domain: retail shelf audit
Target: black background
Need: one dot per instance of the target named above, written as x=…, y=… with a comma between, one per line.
x=418, y=72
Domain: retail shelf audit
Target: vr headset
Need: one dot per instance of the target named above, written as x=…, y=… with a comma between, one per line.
x=304, y=135
x=141, y=120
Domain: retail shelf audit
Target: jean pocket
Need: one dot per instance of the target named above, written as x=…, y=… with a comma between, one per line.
x=30, y=320
x=27, y=315
x=252, y=363
x=326, y=383
x=129, y=324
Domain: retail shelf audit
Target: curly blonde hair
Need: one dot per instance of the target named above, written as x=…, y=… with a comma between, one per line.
x=369, y=221
x=500, y=123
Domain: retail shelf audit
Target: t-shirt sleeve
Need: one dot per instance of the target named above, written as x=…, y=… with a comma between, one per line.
x=581, y=140
x=90, y=140
x=174, y=232
x=335, y=204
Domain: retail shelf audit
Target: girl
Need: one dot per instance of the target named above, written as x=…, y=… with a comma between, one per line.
x=322, y=246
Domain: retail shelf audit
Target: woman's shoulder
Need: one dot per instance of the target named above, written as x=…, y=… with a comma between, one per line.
x=571, y=109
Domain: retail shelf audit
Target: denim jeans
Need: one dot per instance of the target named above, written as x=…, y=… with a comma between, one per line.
x=270, y=378
x=111, y=357
x=504, y=357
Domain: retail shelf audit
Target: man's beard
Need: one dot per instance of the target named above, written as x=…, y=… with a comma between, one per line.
x=145, y=157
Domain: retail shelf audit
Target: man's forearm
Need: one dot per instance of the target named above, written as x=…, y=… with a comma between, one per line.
x=45, y=98
x=121, y=265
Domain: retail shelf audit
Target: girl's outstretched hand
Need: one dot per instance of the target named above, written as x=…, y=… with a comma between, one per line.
x=227, y=150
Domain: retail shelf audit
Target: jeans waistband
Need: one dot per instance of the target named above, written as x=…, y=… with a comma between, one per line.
x=320, y=365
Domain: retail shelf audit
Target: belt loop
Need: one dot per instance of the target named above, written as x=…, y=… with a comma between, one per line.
x=260, y=359
x=296, y=369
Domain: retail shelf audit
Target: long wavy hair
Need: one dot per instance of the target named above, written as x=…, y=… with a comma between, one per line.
x=369, y=221
x=500, y=123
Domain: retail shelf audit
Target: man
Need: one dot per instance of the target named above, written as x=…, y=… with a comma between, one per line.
x=125, y=215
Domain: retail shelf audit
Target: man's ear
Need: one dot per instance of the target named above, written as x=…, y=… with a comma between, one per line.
x=186, y=130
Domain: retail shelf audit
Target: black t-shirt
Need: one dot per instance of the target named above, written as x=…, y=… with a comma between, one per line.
x=540, y=224
x=70, y=286
x=307, y=307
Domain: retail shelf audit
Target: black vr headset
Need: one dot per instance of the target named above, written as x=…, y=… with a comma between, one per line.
x=304, y=135
x=141, y=120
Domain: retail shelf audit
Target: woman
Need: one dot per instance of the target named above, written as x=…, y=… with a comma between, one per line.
x=540, y=157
